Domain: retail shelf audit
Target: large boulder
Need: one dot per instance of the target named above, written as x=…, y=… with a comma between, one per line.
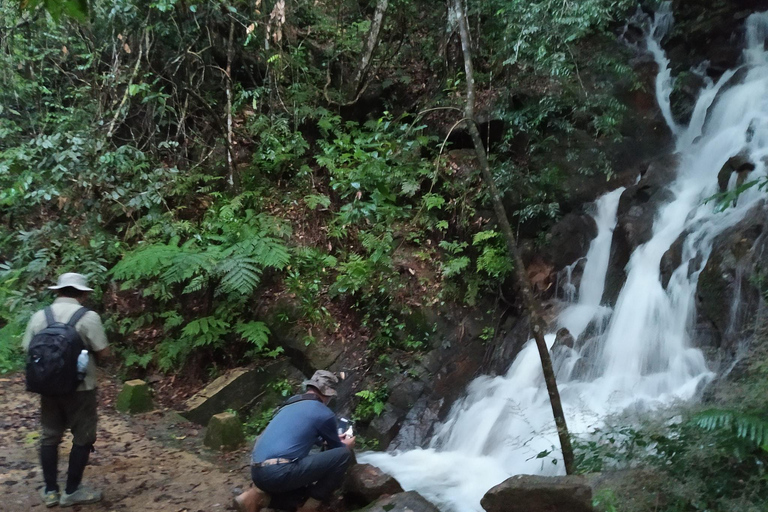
x=418, y=425
x=410, y=501
x=569, y=239
x=365, y=483
x=739, y=164
x=637, y=210
x=727, y=296
x=403, y=395
x=237, y=389
x=533, y=493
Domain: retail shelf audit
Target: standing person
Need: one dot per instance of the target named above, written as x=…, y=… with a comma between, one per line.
x=285, y=473
x=74, y=410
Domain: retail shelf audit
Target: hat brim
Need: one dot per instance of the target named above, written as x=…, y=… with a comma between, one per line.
x=75, y=286
x=327, y=392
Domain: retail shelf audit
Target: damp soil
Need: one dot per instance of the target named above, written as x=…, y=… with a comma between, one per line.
x=152, y=461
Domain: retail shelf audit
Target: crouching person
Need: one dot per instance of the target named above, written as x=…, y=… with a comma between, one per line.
x=285, y=473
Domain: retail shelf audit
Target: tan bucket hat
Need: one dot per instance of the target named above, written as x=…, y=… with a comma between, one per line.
x=72, y=280
x=324, y=381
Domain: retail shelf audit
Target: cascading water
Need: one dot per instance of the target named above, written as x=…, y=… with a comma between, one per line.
x=639, y=353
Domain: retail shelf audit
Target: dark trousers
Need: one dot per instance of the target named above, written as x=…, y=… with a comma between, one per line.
x=77, y=412
x=315, y=476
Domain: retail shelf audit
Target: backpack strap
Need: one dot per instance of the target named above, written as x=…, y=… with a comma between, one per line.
x=299, y=398
x=77, y=316
x=49, y=320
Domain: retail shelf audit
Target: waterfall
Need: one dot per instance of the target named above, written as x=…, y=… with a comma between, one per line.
x=660, y=26
x=576, y=318
x=639, y=354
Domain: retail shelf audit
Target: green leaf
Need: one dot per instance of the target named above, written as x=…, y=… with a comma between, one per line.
x=433, y=201
x=455, y=266
x=315, y=200
x=256, y=333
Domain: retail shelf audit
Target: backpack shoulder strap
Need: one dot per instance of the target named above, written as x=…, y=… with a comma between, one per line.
x=49, y=320
x=77, y=316
x=300, y=398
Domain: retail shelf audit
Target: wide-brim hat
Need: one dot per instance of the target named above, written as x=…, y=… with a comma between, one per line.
x=323, y=381
x=72, y=280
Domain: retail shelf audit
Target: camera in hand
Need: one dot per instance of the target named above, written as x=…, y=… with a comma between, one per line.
x=345, y=427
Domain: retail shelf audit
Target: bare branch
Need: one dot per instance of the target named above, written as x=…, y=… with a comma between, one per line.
x=537, y=322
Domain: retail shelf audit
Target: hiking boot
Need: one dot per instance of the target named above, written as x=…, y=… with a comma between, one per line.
x=81, y=496
x=252, y=500
x=50, y=498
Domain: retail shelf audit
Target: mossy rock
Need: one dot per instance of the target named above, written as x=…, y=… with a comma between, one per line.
x=134, y=398
x=224, y=432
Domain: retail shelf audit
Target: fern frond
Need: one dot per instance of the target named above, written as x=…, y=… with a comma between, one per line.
x=272, y=253
x=146, y=262
x=205, y=330
x=239, y=274
x=256, y=333
x=188, y=262
x=744, y=426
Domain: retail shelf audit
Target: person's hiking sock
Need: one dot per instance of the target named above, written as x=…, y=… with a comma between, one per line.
x=49, y=460
x=78, y=459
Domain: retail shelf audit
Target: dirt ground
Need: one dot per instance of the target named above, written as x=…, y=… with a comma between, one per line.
x=152, y=461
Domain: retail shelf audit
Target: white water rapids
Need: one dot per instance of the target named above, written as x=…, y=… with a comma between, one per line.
x=637, y=355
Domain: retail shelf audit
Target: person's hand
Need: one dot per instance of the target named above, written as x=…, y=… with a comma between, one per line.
x=348, y=441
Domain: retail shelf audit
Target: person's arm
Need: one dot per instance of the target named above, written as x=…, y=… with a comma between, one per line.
x=93, y=334
x=327, y=430
x=33, y=327
x=103, y=356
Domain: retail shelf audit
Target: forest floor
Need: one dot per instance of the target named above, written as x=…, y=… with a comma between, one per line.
x=151, y=461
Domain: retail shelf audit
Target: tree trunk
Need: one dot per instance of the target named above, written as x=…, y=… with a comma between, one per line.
x=537, y=323
x=371, y=44
x=232, y=179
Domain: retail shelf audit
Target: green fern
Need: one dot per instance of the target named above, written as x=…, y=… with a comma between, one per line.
x=205, y=331
x=147, y=262
x=269, y=251
x=188, y=262
x=256, y=333
x=239, y=274
x=744, y=426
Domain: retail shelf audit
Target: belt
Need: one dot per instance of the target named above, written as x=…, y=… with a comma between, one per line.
x=272, y=462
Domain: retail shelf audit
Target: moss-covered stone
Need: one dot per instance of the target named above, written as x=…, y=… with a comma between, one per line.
x=135, y=397
x=238, y=389
x=224, y=432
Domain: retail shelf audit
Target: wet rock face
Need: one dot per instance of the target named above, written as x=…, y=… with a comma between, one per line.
x=637, y=210
x=423, y=396
x=728, y=293
x=739, y=164
x=410, y=501
x=365, y=483
x=569, y=239
x=533, y=493
x=709, y=30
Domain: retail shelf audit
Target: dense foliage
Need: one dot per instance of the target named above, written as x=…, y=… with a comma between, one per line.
x=222, y=170
x=195, y=158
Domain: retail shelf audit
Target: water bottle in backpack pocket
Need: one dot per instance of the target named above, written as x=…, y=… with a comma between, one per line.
x=53, y=357
x=82, y=365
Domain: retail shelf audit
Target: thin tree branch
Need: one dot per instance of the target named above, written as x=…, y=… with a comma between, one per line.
x=233, y=178
x=371, y=43
x=537, y=322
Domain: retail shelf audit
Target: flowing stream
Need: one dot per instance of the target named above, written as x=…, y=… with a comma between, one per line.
x=637, y=355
